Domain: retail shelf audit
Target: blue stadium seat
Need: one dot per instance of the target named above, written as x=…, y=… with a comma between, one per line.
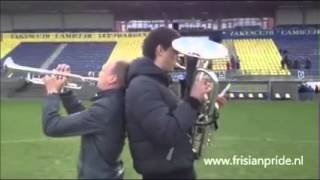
x=84, y=57
x=300, y=47
x=32, y=54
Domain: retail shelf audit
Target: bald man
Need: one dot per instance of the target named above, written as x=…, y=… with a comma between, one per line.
x=100, y=126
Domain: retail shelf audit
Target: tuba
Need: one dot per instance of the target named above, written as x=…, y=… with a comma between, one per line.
x=199, y=53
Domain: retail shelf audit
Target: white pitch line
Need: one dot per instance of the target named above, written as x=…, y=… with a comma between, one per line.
x=216, y=138
x=265, y=139
x=36, y=140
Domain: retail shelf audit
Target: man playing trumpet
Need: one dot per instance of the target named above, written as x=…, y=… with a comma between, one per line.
x=100, y=126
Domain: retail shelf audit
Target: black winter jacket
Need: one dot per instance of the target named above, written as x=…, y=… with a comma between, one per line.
x=101, y=127
x=157, y=121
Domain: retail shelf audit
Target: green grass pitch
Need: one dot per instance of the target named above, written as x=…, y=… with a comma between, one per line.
x=257, y=128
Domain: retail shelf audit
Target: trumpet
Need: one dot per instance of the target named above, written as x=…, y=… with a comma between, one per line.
x=33, y=75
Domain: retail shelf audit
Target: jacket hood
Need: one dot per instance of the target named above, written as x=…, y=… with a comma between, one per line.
x=145, y=66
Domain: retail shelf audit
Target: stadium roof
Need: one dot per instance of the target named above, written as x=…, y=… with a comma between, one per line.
x=126, y=10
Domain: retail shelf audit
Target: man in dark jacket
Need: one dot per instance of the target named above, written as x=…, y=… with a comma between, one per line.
x=158, y=122
x=307, y=64
x=101, y=126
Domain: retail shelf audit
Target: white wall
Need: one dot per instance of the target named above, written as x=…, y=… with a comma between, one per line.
x=56, y=21
x=313, y=16
x=6, y=22
x=297, y=16
x=36, y=21
x=289, y=16
x=84, y=21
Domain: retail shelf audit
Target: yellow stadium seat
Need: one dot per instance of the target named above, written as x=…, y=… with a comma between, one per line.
x=7, y=45
x=259, y=56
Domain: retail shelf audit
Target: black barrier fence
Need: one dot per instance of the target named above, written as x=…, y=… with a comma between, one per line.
x=260, y=74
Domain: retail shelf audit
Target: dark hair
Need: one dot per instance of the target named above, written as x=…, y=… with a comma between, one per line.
x=161, y=36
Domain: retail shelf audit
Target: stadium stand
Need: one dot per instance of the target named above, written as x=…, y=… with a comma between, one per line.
x=300, y=48
x=259, y=57
x=127, y=49
x=256, y=56
x=32, y=54
x=79, y=48
x=7, y=46
x=221, y=64
x=85, y=56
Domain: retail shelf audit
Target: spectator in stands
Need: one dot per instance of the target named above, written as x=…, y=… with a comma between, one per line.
x=101, y=126
x=288, y=62
x=285, y=61
x=228, y=66
x=296, y=64
x=307, y=64
x=210, y=65
x=158, y=123
x=238, y=64
x=233, y=62
x=282, y=63
x=281, y=51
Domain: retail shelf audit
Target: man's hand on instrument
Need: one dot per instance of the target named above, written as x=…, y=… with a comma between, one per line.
x=54, y=83
x=63, y=69
x=200, y=88
x=220, y=101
